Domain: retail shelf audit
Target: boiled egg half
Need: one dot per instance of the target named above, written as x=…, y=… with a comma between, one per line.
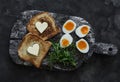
x=69, y=26
x=82, y=31
x=66, y=40
x=82, y=45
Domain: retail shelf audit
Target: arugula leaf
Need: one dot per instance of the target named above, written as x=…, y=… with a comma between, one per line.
x=63, y=56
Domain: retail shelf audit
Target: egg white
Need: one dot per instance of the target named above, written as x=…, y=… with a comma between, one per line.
x=85, y=50
x=67, y=31
x=68, y=37
x=79, y=33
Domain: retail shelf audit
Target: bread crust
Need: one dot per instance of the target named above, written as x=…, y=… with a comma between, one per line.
x=28, y=40
x=51, y=30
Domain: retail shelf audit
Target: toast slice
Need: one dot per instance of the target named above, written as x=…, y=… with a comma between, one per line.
x=28, y=41
x=49, y=32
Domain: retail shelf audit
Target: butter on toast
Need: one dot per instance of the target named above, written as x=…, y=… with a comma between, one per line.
x=28, y=41
x=42, y=17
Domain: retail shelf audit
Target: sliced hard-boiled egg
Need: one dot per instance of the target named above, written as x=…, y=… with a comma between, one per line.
x=82, y=31
x=82, y=45
x=66, y=40
x=69, y=26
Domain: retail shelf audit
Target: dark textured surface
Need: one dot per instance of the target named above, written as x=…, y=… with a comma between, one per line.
x=19, y=30
x=103, y=15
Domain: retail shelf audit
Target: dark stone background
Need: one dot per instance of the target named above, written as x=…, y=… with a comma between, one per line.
x=103, y=15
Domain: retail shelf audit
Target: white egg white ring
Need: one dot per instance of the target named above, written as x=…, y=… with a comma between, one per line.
x=85, y=50
x=68, y=37
x=65, y=30
x=79, y=33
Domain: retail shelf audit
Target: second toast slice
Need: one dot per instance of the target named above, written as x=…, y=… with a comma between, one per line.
x=33, y=49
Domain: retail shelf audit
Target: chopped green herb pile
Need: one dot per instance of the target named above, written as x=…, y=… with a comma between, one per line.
x=64, y=56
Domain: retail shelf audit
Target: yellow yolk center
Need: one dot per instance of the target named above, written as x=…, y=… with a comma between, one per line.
x=84, y=30
x=82, y=45
x=69, y=26
x=65, y=42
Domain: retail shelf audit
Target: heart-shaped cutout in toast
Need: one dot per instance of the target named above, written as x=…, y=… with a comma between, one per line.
x=33, y=50
x=41, y=27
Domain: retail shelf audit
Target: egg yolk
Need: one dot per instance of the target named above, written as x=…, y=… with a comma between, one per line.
x=69, y=26
x=82, y=45
x=65, y=42
x=84, y=30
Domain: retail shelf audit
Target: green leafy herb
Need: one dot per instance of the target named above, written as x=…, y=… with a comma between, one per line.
x=64, y=56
